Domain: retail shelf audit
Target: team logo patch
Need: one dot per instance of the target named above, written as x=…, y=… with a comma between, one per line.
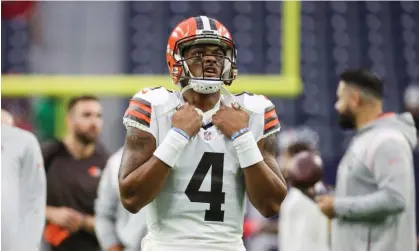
x=94, y=171
x=208, y=135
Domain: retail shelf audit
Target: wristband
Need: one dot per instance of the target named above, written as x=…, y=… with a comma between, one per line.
x=247, y=150
x=239, y=132
x=182, y=132
x=171, y=148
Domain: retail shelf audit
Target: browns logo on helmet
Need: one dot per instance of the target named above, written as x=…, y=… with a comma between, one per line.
x=201, y=30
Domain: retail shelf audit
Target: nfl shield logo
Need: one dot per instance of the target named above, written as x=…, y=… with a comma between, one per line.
x=207, y=136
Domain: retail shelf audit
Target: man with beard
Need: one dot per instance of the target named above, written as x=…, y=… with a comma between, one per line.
x=374, y=203
x=74, y=166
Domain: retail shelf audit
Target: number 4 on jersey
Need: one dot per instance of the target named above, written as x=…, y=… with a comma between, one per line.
x=216, y=196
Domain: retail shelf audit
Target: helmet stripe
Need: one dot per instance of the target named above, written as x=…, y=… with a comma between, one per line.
x=213, y=25
x=206, y=22
x=199, y=23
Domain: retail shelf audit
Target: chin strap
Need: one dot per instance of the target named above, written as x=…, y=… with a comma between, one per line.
x=230, y=97
x=234, y=102
x=184, y=89
x=180, y=103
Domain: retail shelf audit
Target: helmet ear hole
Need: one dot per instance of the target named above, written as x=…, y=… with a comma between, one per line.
x=169, y=64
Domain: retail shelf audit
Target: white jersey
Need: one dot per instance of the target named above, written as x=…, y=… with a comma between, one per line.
x=202, y=203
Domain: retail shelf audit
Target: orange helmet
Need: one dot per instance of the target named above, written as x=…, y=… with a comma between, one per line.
x=200, y=30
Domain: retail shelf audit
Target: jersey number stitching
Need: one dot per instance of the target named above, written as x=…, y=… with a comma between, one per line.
x=216, y=196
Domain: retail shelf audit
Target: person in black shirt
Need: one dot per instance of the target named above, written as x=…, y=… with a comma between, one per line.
x=73, y=167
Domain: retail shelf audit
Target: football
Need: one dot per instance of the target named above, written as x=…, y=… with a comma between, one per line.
x=306, y=169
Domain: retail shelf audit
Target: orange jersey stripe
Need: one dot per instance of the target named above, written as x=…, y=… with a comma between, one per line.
x=141, y=106
x=270, y=114
x=271, y=124
x=140, y=116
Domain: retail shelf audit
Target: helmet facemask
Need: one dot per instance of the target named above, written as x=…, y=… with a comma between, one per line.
x=202, y=84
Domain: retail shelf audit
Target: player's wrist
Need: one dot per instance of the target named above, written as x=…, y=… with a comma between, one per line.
x=239, y=133
x=181, y=132
x=247, y=150
x=171, y=147
x=84, y=222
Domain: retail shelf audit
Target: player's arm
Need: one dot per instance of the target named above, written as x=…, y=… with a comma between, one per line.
x=141, y=174
x=144, y=166
x=265, y=185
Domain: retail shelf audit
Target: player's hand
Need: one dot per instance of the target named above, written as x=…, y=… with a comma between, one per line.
x=67, y=218
x=325, y=203
x=187, y=119
x=230, y=120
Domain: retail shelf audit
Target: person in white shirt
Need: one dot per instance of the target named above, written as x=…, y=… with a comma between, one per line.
x=116, y=228
x=302, y=225
x=263, y=233
x=7, y=118
x=23, y=188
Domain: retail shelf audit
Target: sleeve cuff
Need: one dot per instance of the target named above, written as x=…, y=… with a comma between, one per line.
x=131, y=123
x=269, y=134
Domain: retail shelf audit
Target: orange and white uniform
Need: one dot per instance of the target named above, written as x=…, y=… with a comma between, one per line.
x=202, y=204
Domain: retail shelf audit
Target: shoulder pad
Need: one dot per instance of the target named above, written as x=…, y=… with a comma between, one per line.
x=254, y=103
x=155, y=96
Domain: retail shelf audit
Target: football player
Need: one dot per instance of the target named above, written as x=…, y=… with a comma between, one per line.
x=191, y=155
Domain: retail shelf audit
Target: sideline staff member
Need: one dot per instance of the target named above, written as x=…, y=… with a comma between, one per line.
x=23, y=188
x=374, y=203
x=116, y=228
x=73, y=167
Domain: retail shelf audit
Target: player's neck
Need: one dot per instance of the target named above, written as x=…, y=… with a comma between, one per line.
x=204, y=102
x=368, y=115
x=78, y=149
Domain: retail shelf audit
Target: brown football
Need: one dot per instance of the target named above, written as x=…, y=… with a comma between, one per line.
x=305, y=170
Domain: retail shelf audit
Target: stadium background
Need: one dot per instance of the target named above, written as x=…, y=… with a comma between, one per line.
x=80, y=39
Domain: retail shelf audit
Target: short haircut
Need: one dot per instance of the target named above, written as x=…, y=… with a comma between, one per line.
x=365, y=80
x=297, y=148
x=73, y=101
